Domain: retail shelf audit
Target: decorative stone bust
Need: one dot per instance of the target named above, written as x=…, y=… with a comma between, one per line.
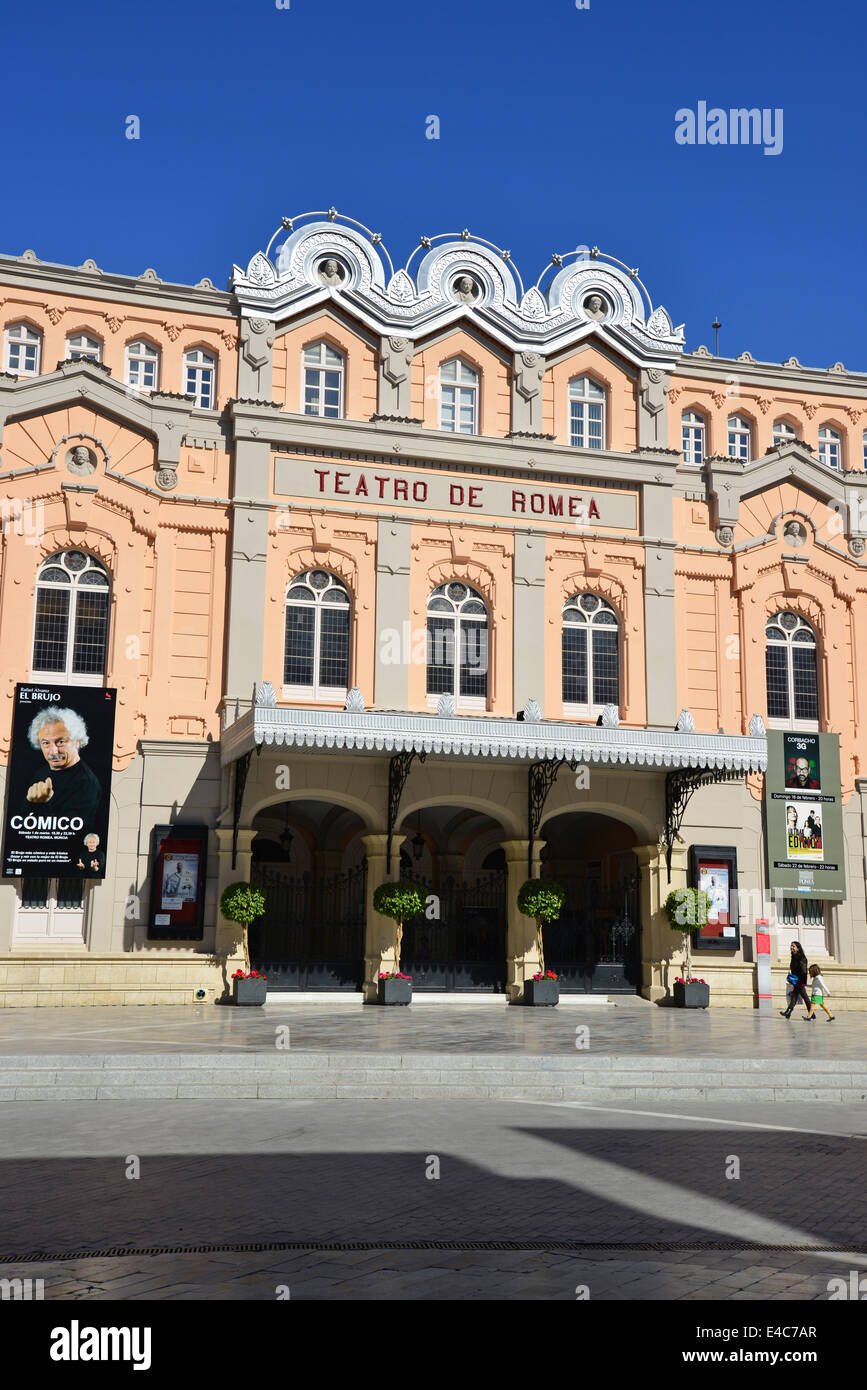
x=857, y=545
x=725, y=535
x=81, y=461
x=331, y=272
x=466, y=289
x=795, y=533
x=167, y=478
x=595, y=307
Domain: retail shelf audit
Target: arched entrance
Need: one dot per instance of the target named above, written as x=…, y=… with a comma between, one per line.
x=308, y=859
x=459, y=943
x=596, y=944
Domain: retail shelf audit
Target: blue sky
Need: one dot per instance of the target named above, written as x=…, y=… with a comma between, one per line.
x=556, y=129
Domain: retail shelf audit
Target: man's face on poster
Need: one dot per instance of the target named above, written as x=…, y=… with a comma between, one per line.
x=59, y=750
x=91, y=842
x=802, y=771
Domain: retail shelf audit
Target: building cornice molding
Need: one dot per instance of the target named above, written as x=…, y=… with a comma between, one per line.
x=92, y=283
x=510, y=740
x=829, y=381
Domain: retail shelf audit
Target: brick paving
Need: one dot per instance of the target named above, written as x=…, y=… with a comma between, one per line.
x=277, y=1171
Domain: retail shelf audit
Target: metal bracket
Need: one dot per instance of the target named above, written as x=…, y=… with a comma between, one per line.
x=242, y=767
x=540, y=779
x=398, y=771
x=679, y=789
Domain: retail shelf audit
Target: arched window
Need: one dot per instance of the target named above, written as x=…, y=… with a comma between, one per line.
x=459, y=397
x=457, y=645
x=830, y=446
x=591, y=655
x=70, y=632
x=784, y=433
x=586, y=413
x=323, y=380
x=694, y=437
x=200, y=371
x=791, y=670
x=82, y=347
x=316, y=648
x=740, y=438
x=142, y=365
x=22, y=350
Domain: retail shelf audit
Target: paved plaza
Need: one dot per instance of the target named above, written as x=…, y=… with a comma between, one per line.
x=530, y=1200
x=627, y=1027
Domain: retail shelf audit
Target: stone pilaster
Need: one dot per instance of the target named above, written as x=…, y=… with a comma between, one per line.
x=522, y=955
x=658, y=942
x=379, y=931
x=528, y=634
x=659, y=613
x=653, y=409
x=395, y=640
x=247, y=592
x=256, y=360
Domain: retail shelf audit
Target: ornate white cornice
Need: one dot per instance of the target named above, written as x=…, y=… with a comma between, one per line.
x=409, y=303
x=510, y=740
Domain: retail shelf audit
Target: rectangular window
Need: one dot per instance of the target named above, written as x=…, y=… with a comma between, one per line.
x=606, y=683
x=804, y=680
x=91, y=630
x=574, y=666
x=334, y=648
x=440, y=656
x=474, y=660
x=298, y=653
x=52, y=625
x=777, y=681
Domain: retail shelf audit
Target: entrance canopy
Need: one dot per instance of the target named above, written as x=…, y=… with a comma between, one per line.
x=506, y=740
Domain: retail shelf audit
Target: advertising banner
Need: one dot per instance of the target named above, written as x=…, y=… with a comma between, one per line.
x=59, y=782
x=805, y=816
x=178, y=875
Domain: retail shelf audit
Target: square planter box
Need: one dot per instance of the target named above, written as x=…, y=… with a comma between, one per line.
x=394, y=991
x=541, y=993
x=691, y=996
x=249, y=991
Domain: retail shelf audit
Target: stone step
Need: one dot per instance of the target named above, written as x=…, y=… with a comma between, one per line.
x=288, y=1075
x=471, y=1000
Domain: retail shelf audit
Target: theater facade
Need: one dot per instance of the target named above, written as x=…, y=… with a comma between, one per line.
x=424, y=570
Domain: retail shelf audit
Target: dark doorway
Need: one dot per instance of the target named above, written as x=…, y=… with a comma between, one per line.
x=595, y=946
x=461, y=945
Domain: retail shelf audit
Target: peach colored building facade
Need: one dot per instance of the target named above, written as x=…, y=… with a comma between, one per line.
x=420, y=570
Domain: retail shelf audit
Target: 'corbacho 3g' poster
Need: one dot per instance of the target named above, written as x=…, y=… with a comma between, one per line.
x=59, y=782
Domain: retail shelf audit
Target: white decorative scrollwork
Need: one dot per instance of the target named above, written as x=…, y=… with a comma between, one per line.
x=266, y=695
x=260, y=270
x=533, y=305
x=532, y=712
x=354, y=700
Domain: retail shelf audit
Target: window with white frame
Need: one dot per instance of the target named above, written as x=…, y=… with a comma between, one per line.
x=323, y=368
x=740, y=438
x=22, y=349
x=830, y=446
x=693, y=437
x=784, y=433
x=457, y=645
x=70, y=630
x=51, y=910
x=459, y=397
x=864, y=449
x=81, y=347
x=791, y=671
x=316, y=645
x=200, y=371
x=142, y=365
x=591, y=655
x=586, y=413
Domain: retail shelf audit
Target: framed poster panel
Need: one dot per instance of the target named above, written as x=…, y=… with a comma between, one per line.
x=714, y=868
x=59, y=781
x=178, y=877
x=804, y=816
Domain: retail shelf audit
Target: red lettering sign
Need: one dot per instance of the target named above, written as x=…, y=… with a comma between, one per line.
x=338, y=487
x=472, y=497
x=456, y=495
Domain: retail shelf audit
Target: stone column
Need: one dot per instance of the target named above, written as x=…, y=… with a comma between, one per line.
x=658, y=941
x=245, y=643
x=228, y=941
x=395, y=362
x=653, y=409
x=395, y=640
x=528, y=369
x=256, y=359
x=660, y=637
x=528, y=581
x=522, y=955
x=379, y=930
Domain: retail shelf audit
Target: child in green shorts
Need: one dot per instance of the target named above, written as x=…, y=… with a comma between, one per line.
x=818, y=992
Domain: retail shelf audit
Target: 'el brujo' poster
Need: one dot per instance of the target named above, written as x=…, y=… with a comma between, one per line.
x=59, y=782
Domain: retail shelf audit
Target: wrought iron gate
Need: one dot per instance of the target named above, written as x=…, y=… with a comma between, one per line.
x=463, y=948
x=312, y=933
x=595, y=946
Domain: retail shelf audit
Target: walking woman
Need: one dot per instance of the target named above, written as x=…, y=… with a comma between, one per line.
x=797, y=979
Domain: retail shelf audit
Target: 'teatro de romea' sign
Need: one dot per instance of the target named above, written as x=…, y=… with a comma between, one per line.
x=467, y=494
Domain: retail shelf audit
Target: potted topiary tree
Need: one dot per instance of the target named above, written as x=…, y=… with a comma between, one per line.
x=399, y=901
x=687, y=910
x=542, y=899
x=242, y=903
